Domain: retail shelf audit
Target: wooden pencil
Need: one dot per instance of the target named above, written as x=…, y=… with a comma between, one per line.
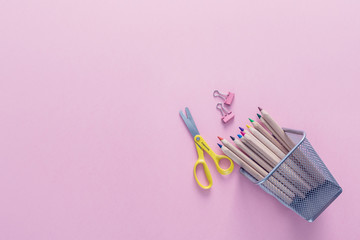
x=267, y=153
x=264, y=132
x=249, y=135
x=247, y=144
x=266, y=142
x=262, y=162
x=276, y=127
x=304, y=175
x=243, y=156
x=290, y=173
x=251, y=154
x=278, y=138
x=271, y=186
x=301, y=159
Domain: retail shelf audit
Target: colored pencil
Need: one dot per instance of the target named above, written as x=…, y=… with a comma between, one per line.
x=251, y=154
x=271, y=157
x=266, y=142
x=264, y=132
x=274, y=133
x=314, y=177
x=265, y=165
x=267, y=153
x=304, y=175
x=274, y=189
x=241, y=155
x=276, y=127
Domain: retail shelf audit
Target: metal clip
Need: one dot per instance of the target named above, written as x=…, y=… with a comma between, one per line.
x=226, y=115
x=228, y=98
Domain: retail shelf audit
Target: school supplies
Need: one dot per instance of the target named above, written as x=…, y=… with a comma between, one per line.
x=273, y=160
x=266, y=134
x=226, y=115
x=202, y=146
x=293, y=163
x=277, y=152
x=228, y=98
x=260, y=166
x=281, y=161
x=241, y=155
x=251, y=154
x=299, y=158
x=259, y=176
x=276, y=129
x=259, y=159
x=266, y=142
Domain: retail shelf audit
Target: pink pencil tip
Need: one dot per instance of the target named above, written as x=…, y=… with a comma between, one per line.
x=260, y=109
x=220, y=138
x=242, y=133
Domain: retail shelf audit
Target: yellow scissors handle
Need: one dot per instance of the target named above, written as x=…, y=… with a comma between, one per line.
x=202, y=162
x=204, y=146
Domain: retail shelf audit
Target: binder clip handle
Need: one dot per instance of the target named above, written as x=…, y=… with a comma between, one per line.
x=228, y=98
x=226, y=115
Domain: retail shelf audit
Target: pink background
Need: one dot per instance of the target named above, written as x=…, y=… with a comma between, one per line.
x=91, y=142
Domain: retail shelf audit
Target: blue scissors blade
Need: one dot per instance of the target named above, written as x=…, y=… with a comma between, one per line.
x=192, y=120
x=189, y=122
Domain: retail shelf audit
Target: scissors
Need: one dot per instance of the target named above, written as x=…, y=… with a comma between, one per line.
x=202, y=146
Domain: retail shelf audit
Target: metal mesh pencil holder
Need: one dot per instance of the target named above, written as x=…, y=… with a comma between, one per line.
x=301, y=180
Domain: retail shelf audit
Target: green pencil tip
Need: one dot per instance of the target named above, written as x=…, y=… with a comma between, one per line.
x=259, y=116
x=251, y=120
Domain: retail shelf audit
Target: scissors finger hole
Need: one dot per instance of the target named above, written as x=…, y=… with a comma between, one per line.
x=224, y=163
x=201, y=176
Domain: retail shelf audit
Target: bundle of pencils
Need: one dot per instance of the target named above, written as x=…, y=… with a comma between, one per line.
x=258, y=150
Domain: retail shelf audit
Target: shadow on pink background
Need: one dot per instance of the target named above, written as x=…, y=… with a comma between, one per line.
x=92, y=145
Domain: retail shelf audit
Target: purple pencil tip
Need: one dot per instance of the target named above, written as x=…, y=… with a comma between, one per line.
x=241, y=129
x=260, y=109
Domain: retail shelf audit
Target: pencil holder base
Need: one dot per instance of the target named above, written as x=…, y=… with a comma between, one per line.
x=311, y=187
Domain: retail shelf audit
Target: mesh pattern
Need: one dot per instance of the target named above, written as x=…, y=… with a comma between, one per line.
x=301, y=181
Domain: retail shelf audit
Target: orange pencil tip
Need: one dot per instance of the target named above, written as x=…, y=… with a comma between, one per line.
x=220, y=138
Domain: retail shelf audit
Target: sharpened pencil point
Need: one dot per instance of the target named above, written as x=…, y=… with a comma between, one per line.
x=251, y=120
x=241, y=129
x=239, y=135
x=248, y=126
x=220, y=138
x=242, y=133
x=232, y=138
x=259, y=116
x=220, y=146
x=260, y=109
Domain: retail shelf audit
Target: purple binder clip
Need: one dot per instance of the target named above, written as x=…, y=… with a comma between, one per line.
x=228, y=98
x=226, y=115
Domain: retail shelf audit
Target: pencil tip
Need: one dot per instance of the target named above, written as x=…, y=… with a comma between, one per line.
x=220, y=138
x=242, y=133
x=259, y=116
x=239, y=135
x=232, y=138
x=241, y=129
x=260, y=109
x=248, y=126
x=220, y=146
x=251, y=120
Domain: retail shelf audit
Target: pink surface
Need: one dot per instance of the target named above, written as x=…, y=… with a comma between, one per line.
x=92, y=145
